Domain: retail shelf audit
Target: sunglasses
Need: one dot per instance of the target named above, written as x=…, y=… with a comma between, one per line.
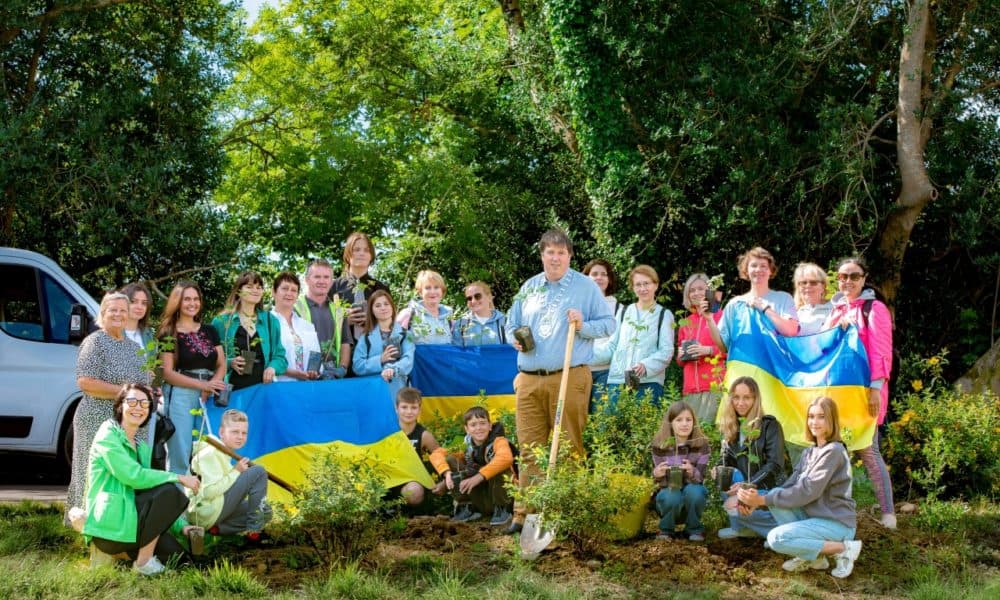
x=133, y=401
x=810, y=282
x=476, y=296
x=851, y=276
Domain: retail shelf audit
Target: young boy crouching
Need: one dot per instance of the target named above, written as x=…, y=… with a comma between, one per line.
x=233, y=497
x=476, y=479
x=408, y=403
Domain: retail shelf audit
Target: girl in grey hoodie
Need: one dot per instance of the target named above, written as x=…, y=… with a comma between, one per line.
x=814, y=509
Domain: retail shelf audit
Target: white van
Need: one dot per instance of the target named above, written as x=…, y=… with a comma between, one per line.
x=43, y=314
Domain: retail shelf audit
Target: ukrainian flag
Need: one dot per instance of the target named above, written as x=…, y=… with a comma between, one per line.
x=290, y=422
x=792, y=371
x=450, y=378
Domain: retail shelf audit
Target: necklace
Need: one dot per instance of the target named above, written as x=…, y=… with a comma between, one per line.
x=550, y=308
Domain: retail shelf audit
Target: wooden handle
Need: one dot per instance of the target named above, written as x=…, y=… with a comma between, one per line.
x=229, y=452
x=563, y=385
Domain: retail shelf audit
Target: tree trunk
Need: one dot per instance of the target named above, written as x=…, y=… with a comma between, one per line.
x=913, y=131
x=984, y=376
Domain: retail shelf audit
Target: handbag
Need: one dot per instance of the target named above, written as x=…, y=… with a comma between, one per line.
x=162, y=431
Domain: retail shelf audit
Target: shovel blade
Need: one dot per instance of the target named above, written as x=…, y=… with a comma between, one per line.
x=534, y=538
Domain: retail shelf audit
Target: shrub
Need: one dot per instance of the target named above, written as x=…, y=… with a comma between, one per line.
x=340, y=510
x=946, y=443
x=583, y=497
x=627, y=429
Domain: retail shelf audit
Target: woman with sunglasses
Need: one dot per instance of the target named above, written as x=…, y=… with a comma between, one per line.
x=484, y=324
x=810, y=297
x=130, y=507
x=856, y=304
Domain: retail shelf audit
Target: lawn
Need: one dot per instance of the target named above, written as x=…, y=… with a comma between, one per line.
x=945, y=550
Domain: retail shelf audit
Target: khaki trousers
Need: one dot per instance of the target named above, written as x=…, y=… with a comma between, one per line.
x=537, y=396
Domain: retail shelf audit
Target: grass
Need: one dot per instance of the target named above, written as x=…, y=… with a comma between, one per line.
x=949, y=551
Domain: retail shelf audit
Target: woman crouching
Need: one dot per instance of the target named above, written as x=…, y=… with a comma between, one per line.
x=814, y=509
x=130, y=507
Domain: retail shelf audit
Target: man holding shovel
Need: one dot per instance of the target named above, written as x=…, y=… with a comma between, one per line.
x=546, y=307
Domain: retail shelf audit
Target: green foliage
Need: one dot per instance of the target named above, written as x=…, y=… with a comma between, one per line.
x=226, y=578
x=340, y=510
x=628, y=428
x=582, y=497
x=946, y=443
x=108, y=144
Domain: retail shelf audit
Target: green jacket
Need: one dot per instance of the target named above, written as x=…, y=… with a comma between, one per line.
x=116, y=470
x=269, y=331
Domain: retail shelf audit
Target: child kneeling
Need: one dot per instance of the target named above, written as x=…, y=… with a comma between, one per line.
x=476, y=479
x=233, y=497
x=680, y=446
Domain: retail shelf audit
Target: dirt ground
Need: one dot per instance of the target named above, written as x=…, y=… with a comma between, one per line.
x=643, y=565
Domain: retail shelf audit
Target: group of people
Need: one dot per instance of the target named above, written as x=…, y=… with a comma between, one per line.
x=350, y=326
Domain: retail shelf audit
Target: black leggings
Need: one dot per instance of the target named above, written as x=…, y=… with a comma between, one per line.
x=157, y=508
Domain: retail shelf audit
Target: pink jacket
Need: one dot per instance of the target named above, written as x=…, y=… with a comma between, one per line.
x=875, y=334
x=700, y=374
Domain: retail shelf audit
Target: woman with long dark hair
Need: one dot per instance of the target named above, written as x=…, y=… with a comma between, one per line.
x=245, y=327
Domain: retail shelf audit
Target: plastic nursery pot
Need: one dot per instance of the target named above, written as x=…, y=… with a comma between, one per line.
x=249, y=357
x=629, y=522
x=675, y=478
x=746, y=486
x=524, y=337
x=724, y=477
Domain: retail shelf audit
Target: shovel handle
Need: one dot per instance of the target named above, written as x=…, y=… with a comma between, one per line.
x=561, y=401
x=228, y=452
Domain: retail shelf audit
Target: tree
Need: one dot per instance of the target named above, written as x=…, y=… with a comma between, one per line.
x=108, y=145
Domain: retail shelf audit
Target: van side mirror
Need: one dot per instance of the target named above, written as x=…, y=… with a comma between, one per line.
x=79, y=323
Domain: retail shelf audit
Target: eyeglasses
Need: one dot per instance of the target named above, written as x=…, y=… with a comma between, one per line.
x=852, y=276
x=133, y=401
x=643, y=285
x=810, y=282
x=477, y=296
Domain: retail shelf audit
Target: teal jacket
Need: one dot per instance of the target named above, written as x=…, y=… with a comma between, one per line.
x=116, y=470
x=269, y=331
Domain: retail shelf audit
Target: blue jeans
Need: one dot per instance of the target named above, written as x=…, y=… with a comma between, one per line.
x=647, y=392
x=802, y=536
x=180, y=402
x=598, y=387
x=688, y=504
x=759, y=521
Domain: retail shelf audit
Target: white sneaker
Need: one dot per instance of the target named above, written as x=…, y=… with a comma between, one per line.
x=153, y=566
x=728, y=533
x=797, y=565
x=845, y=560
x=888, y=520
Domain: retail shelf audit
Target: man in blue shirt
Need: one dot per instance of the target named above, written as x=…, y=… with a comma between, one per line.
x=549, y=303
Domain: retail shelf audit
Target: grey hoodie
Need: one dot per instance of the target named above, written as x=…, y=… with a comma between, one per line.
x=821, y=485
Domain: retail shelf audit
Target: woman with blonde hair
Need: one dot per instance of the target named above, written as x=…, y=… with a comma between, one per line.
x=703, y=362
x=814, y=509
x=754, y=444
x=484, y=324
x=427, y=320
x=811, y=303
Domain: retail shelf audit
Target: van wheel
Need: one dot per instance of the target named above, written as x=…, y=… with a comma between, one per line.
x=65, y=456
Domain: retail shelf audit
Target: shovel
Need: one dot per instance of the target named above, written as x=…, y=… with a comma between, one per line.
x=534, y=538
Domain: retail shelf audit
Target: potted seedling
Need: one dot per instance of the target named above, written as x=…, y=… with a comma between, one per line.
x=749, y=436
x=151, y=358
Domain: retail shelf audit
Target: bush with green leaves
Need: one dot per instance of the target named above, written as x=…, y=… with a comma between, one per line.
x=582, y=498
x=627, y=428
x=340, y=510
x=946, y=443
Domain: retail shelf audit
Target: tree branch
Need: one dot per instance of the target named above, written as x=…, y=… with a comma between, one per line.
x=8, y=34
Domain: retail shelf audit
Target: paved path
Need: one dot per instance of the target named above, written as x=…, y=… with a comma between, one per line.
x=44, y=494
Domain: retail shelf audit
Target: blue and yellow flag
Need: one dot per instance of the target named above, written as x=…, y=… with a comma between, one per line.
x=290, y=422
x=792, y=371
x=450, y=378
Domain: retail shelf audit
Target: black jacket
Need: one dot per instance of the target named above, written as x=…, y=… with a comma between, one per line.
x=768, y=471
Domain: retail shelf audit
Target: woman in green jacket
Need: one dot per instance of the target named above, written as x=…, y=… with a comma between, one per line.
x=130, y=506
x=244, y=327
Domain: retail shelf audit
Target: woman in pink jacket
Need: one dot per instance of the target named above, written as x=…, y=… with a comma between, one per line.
x=856, y=304
x=703, y=362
